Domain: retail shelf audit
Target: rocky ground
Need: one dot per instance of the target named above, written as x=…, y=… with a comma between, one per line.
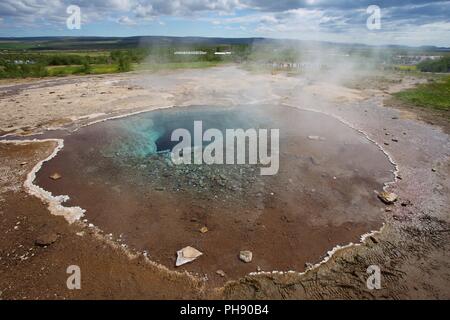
x=36, y=248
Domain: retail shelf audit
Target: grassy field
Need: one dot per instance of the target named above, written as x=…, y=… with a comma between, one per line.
x=435, y=95
x=112, y=68
x=78, y=69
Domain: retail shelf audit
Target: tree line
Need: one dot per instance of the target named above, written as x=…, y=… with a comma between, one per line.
x=441, y=65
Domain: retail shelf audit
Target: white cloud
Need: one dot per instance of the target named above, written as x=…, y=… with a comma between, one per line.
x=410, y=21
x=125, y=20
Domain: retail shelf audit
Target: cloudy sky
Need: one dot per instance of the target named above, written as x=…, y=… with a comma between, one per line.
x=409, y=22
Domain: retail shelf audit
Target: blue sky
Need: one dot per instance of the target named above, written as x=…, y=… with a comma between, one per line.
x=406, y=22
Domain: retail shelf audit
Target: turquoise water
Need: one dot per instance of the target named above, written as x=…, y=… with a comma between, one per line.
x=148, y=133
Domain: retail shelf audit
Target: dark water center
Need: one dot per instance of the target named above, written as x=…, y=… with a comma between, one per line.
x=322, y=196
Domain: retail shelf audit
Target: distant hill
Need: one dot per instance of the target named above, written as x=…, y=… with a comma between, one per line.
x=98, y=43
x=105, y=43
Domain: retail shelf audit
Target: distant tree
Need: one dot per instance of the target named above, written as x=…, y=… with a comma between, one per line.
x=86, y=66
x=441, y=65
x=124, y=63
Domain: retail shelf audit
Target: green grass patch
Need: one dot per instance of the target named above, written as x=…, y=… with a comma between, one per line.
x=63, y=70
x=104, y=68
x=435, y=95
x=78, y=69
x=405, y=68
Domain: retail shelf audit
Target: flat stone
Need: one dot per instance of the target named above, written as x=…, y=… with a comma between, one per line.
x=246, y=256
x=55, y=176
x=204, y=229
x=186, y=255
x=46, y=239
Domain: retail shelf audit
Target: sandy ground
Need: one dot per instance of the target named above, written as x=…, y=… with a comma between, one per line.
x=412, y=249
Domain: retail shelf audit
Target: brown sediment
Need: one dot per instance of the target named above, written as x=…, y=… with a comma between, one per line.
x=28, y=271
x=323, y=196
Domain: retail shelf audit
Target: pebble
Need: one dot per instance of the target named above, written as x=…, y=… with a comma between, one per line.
x=374, y=240
x=387, y=197
x=221, y=273
x=246, y=256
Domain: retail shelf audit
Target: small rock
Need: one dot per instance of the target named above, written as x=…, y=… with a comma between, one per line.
x=313, y=160
x=246, y=256
x=394, y=140
x=406, y=203
x=374, y=240
x=258, y=268
x=186, y=255
x=316, y=138
x=221, y=273
x=23, y=163
x=46, y=239
x=387, y=197
x=204, y=229
x=433, y=169
x=56, y=176
x=308, y=265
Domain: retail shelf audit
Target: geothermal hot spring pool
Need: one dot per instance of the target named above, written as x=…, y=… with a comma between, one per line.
x=322, y=196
